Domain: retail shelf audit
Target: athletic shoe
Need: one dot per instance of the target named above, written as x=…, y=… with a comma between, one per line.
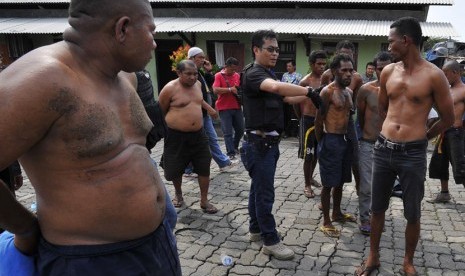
x=279, y=251
x=190, y=175
x=229, y=168
x=255, y=237
x=440, y=198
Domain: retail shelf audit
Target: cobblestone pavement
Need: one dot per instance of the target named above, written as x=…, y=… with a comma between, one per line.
x=202, y=238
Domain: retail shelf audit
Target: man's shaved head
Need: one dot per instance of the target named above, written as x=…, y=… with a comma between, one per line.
x=452, y=65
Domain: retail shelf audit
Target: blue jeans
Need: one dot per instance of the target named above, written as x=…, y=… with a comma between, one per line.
x=261, y=165
x=232, y=119
x=220, y=158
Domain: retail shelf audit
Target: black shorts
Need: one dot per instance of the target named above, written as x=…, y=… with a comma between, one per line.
x=154, y=254
x=181, y=148
x=335, y=159
x=307, y=138
x=450, y=148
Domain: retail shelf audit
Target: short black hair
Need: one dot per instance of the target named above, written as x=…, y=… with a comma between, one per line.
x=314, y=55
x=409, y=26
x=231, y=61
x=181, y=66
x=382, y=56
x=336, y=62
x=258, y=38
x=346, y=44
x=370, y=63
x=292, y=62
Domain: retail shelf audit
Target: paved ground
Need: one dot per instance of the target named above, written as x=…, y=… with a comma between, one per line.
x=203, y=238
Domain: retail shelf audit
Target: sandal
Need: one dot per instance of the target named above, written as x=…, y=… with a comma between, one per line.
x=209, y=209
x=315, y=183
x=178, y=201
x=364, y=270
x=365, y=229
x=330, y=231
x=308, y=192
x=345, y=218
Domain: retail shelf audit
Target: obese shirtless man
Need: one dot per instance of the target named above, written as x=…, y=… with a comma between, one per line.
x=79, y=130
x=181, y=101
x=408, y=90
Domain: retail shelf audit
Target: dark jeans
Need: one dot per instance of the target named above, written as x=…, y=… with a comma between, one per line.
x=408, y=161
x=260, y=161
x=232, y=119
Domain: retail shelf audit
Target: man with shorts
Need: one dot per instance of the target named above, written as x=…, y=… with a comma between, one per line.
x=348, y=48
x=408, y=90
x=368, y=117
x=181, y=101
x=307, y=111
x=79, y=130
x=263, y=111
x=334, y=146
x=450, y=145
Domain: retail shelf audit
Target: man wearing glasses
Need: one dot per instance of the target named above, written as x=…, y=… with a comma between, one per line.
x=263, y=110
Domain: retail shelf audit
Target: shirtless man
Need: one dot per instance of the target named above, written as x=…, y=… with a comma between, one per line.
x=346, y=47
x=408, y=89
x=181, y=101
x=368, y=117
x=450, y=149
x=334, y=147
x=79, y=130
x=307, y=112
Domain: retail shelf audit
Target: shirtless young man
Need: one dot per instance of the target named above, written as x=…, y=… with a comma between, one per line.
x=368, y=117
x=334, y=147
x=451, y=149
x=82, y=141
x=181, y=101
x=408, y=89
x=346, y=47
x=307, y=111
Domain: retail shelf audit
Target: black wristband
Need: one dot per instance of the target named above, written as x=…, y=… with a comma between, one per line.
x=314, y=96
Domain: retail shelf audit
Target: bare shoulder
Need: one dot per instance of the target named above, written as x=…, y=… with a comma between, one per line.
x=305, y=80
x=169, y=87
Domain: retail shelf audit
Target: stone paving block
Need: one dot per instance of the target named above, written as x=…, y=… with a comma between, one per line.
x=446, y=261
x=432, y=260
x=288, y=265
x=307, y=263
x=207, y=269
x=268, y=271
x=450, y=273
x=191, y=251
x=187, y=271
x=247, y=257
x=205, y=252
x=246, y=270
x=190, y=263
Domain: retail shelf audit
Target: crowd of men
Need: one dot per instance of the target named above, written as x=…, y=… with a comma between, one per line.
x=87, y=133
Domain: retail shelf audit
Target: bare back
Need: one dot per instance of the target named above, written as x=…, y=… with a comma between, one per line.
x=410, y=96
x=83, y=150
x=307, y=108
x=182, y=106
x=367, y=110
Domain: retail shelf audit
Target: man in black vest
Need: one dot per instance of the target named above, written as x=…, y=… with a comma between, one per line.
x=263, y=109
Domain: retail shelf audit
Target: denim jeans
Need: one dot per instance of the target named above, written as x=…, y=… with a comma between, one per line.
x=410, y=166
x=232, y=119
x=220, y=158
x=261, y=165
x=366, y=165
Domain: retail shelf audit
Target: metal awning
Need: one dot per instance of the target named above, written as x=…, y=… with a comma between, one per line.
x=403, y=2
x=325, y=27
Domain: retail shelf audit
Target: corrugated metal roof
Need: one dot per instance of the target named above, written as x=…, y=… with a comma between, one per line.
x=416, y=2
x=235, y=25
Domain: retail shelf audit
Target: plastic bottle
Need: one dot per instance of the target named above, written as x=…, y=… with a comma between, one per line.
x=34, y=207
x=226, y=260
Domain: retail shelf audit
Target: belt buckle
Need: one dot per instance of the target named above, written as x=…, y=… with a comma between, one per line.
x=390, y=145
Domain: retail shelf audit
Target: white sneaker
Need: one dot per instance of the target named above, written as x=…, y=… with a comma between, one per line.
x=190, y=175
x=279, y=251
x=229, y=168
x=255, y=237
